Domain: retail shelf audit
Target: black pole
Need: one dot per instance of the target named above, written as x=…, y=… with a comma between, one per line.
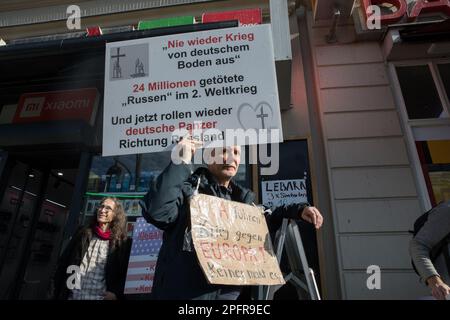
x=15, y=215
x=77, y=196
x=24, y=258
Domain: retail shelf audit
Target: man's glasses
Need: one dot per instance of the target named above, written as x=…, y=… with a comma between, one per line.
x=102, y=206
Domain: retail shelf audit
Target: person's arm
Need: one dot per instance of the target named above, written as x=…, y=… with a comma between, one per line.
x=294, y=211
x=439, y=289
x=420, y=254
x=164, y=199
x=433, y=231
x=120, y=270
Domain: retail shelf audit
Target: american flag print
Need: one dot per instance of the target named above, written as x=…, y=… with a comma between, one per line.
x=147, y=240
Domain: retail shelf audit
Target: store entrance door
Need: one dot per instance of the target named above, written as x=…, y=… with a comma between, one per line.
x=35, y=196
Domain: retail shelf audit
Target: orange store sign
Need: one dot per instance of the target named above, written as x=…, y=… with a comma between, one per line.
x=79, y=104
x=408, y=9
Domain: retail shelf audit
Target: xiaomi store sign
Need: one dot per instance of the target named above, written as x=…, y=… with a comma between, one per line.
x=79, y=104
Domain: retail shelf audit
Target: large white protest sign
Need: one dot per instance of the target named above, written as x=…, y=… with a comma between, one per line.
x=157, y=87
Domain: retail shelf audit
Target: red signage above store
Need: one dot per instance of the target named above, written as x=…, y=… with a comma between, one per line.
x=94, y=31
x=79, y=104
x=417, y=8
x=245, y=17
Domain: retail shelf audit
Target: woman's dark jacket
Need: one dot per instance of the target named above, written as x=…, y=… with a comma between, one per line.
x=115, y=268
x=178, y=274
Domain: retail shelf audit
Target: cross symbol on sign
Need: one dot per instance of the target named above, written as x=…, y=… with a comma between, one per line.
x=262, y=115
x=118, y=55
x=117, y=71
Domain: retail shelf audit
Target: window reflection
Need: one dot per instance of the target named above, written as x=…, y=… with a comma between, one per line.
x=135, y=173
x=435, y=161
x=419, y=93
x=129, y=177
x=444, y=72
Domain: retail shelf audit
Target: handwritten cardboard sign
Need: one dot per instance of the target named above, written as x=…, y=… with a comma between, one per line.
x=232, y=242
x=278, y=192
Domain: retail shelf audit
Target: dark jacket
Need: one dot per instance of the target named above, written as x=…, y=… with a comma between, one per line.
x=115, y=268
x=178, y=274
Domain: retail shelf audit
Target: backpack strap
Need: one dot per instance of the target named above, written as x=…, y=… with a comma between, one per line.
x=445, y=253
x=436, y=250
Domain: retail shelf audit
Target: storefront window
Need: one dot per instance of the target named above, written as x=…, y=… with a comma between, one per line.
x=419, y=92
x=425, y=89
x=435, y=161
x=125, y=177
x=129, y=178
x=112, y=174
x=444, y=72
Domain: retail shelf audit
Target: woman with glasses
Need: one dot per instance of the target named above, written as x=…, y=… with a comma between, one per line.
x=94, y=264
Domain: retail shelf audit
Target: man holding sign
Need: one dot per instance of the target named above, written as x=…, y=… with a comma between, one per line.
x=179, y=273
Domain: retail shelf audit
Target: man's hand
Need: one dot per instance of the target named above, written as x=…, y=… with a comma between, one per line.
x=312, y=215
x=108, y=295
x=186, y=148
x=439, y=289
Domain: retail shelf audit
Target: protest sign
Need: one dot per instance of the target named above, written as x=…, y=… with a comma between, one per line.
x=278, y=192
x=147, y=240
x=158, y=89
x=232, y=242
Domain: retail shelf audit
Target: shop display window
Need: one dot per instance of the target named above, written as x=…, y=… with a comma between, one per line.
x=425, y=91
x=129, y=178
x=435, y=161
x=419, y=92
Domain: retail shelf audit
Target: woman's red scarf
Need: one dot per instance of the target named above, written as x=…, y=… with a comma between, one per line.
x=104, y=235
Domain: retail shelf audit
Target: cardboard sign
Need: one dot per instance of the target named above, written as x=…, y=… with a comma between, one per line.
x=57, y=105
x=158, y=89
x=232, y=242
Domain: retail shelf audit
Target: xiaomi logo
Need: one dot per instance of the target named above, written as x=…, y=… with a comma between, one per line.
x=32, y=107
x=77, y=104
